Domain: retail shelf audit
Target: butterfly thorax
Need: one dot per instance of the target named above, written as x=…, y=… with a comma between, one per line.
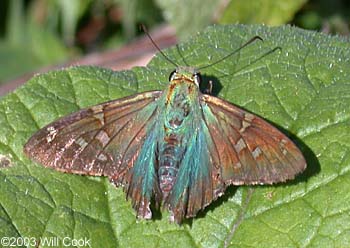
x=180, y=100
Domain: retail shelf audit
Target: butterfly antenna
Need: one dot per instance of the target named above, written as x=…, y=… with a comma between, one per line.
x=144, y=29
x=235, y=51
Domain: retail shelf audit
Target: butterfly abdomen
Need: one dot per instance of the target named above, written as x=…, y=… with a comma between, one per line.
x=171, y=149
x=170, y=155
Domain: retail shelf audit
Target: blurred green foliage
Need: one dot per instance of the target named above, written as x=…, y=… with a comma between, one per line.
x=269, y=12
x=35, y=33
x=329, y=16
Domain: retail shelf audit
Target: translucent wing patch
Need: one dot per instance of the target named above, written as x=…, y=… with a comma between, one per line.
x=245, y=148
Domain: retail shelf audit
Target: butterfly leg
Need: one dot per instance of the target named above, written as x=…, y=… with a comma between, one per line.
x=209, y=89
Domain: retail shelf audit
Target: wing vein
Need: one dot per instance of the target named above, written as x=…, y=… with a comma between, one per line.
x=106, y=124
x=281, y=162
x=133, y=138
x=212, y=138
x=230, y=143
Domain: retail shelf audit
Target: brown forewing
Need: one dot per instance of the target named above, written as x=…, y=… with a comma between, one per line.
x=101, y=140
x=246, y=149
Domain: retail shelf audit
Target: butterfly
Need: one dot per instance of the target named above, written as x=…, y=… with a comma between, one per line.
x=179, y=147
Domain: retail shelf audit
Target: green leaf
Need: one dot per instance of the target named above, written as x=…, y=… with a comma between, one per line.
x=189, y=16
x=261, y=11
x=303, y=87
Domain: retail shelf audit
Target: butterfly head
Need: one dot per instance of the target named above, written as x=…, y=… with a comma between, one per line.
x=185, y=74
x=181, y=96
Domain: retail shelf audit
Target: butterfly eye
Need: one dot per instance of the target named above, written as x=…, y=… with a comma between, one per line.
x=197, y=78
x=172, y=75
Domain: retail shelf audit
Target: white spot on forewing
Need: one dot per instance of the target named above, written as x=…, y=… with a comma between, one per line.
x=102, y=137
x=97, y=109
x=52, y=132
x=245, y=124
x=257, y=152
x=240, y=145
x=249, y=117
x=81, y=142
x=102, y=157
x=61, y=151
x=282, y=144
x=98, y=113
x=238, y=165
x=89, y=166
x=101, y=118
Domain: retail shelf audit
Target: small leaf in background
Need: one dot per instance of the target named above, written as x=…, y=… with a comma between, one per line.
x=303, y=88
x=27, y=46
x=268, y=12
x=188, y=17
x=71, y=11
x=137, y=12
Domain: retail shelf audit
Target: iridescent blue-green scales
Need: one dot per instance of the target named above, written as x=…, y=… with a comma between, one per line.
x=179, y=147
x=178, y=140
